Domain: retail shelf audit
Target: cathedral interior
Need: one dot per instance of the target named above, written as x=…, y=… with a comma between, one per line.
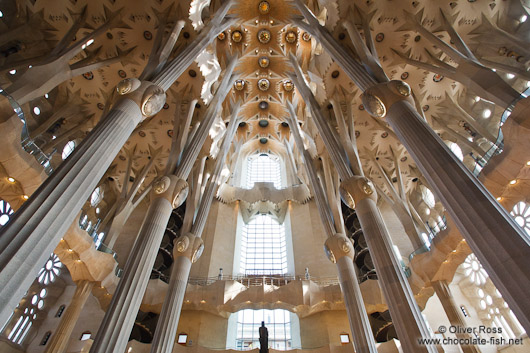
x=353, y=173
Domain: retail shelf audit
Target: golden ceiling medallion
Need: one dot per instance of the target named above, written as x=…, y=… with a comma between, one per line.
x=264, y=36
x=306, y=36
x=263, y=62
x=239, y=85
x=264, y=7
x=221, y=36
x=288, y=85
x=263, y=84
x=237, y=36
x=290, y=37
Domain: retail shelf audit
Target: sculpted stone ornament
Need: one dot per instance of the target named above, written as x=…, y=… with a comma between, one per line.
x=198, y=248
x=161, y=185
x=374, y=105
x=182, y=243
x=337, y=247
x=153, y=100
x=355, y=189
x=402, y=87
x=128, y=85
x=180, y=193
x=379, y=98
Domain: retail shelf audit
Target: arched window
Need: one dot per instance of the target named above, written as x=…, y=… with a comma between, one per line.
x=96, y=196
x=263, y=247
x=5, y=212
x=521, y=214
x=263, y=168
x=68, y=149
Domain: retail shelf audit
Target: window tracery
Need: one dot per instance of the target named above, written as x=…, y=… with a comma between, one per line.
x=50, y=271
x=5, y=212
x=521, y=214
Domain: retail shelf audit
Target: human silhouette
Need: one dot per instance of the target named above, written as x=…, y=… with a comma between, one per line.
x=263, y=338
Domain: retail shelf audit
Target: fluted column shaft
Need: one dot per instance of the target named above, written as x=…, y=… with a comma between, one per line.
x=166, y=328
x=499, y=243
x=61, y=337
x=453, y=312
x=363, y=337
x=36, y=228
x=114, y=332
x=405, y=313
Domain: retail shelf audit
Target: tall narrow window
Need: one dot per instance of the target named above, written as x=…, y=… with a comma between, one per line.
x=263, y=168
x=263, y=247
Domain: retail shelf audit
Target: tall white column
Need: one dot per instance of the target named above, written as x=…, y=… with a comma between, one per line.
x=359, y=193
x=114, y=331
x=60, y=338
x=36, y=228
x=188, y=249
x=339, y=250
x=496, y=239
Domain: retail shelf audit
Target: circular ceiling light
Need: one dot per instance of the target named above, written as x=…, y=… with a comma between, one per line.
x=263, y=105
x=237, y=36
x=306, y=36
x=264, y=36
x=290, y=37
x=263, y=123
x=239, y=85
x=263, y=84
x=263, y=62
x=263, y=140
x=264, y=7
x=221, y=36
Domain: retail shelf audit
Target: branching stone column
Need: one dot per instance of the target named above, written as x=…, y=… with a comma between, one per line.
x=60, y=339
x=168, y=193
x=496, y=239
x=358, y=192
x=451, y=310
x=188, y=249
x=339, y=250
x=30, y=237
x=405, y=313
x=36, y=228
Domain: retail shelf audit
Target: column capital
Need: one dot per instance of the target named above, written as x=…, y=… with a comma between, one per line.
x=149, y=96
x=189, y=245
x=378, y=98
x=338, y=246
x=172, y=188
x=356, y=188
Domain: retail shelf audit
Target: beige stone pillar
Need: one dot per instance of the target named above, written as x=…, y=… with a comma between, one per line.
x=113, y=334
x=500, y=244
x=453, y=312
x=61, y=337
x=406, y=315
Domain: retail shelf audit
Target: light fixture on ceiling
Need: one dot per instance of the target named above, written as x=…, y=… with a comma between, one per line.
x=486, y=113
